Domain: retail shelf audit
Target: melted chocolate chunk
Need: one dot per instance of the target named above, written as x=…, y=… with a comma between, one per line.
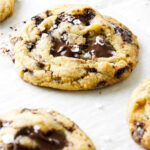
x=101, y=83
x=48, y=13
x=85, y=18
x=52, y=140
x=59, y=19
x=98, y=48
x=121, y=71
x=92, y=70
x=30, y=45
x=125, y=34
x=138, y=132
x=37, y=20
x=40, y=65
x=1, y=124
x=61, y=49
x=27, y=70
x=101, y=48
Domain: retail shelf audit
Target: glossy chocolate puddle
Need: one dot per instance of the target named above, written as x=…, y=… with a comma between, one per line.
x=52, y=140
x=98, y=48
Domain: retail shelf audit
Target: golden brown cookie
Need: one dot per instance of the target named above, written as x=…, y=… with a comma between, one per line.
x=40, y=129
x=6, y=9
x=74, y=47
x=138, y=114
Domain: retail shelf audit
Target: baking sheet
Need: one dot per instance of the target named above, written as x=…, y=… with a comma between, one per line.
x=100, y=113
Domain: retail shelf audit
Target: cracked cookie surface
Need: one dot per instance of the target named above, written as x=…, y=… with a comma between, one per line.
x=138, y=114
x=74, y=47
x=6, y=9
x=40, y=129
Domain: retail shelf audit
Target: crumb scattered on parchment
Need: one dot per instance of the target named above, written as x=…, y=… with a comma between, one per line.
x=100, y=106
x=5, y=45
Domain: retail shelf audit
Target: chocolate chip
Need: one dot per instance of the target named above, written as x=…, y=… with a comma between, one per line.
x=40, y=65
x=37, y=20
x=92, y=70
x=64, y=37
x=125, y=34
x=121, y=71
x=48, y=13
x=27, y=70
x=89, y=14
x=70, y=129
x=30, y=45
x=100, y=48
x=85, y=18
x=61, y=49
x=1, y=124
x=59, y=19
x=138, y=132
x=52, y=140
x=24, y=22
x=101, y=83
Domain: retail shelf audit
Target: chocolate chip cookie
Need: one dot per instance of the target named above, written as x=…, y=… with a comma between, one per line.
x=138, y=115
x=40, y=129
x=6, y=8
x=74, y=47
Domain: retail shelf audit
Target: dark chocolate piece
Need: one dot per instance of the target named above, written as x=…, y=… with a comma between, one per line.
x=27, y=70
x=48, y=13
x=101, y=83
x=101, y=48
x=52, y=140
x=138, y=132
x=98, y=48
x=40, y=65
x=1, y=124
x=61, y=49
x=121, y=71
x=125, y=34
x=85, y=18
x=92, y=70
x=37, y=20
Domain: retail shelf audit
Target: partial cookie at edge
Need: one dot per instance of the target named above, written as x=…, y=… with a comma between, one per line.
x=40, y=129
x=138, y=114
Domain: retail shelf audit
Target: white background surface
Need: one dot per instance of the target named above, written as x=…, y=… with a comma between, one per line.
x=101, y=116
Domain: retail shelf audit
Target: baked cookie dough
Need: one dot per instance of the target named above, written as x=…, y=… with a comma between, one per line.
x=40, y=129
x=74, y=47
x=6, y=9
x=138, y=115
